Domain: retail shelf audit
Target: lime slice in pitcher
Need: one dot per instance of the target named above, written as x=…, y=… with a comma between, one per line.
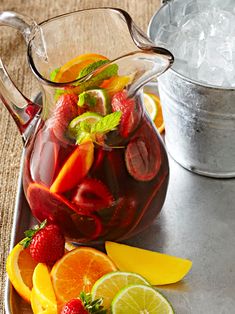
x=140, y=299
x=97, y=101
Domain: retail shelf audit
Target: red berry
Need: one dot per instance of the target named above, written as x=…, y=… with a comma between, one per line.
x=47, y=245
x=93, y=195
x=129, y=119
x=74, y=306
x=66, y=110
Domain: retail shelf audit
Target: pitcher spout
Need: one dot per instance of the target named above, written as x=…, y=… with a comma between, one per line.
x=144, y=66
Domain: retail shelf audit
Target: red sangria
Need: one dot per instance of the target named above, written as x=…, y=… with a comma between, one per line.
x=96, y=165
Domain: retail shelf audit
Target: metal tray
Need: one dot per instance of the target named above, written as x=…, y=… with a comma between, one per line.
x=196, y=222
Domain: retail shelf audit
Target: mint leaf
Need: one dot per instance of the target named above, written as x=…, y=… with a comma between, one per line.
x=53, y=74
x=85, y=98
x=95, y=81
x=107, y=123
x=92, y=67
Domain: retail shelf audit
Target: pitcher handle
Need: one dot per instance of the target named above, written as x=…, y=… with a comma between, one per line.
x=20, y=107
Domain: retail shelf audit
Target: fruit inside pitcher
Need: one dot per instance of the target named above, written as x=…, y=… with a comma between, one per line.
x=96, y=165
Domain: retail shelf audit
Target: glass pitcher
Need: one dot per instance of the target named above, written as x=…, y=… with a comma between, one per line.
x=107, y=177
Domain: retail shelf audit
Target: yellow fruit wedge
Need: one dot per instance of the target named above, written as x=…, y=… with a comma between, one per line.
x=43, y=296
x=157, y=268
x=37, y=307
x=20, y=267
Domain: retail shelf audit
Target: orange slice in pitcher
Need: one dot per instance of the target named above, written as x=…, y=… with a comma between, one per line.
x=77, y=271
x=157, y=117
x=70, y=70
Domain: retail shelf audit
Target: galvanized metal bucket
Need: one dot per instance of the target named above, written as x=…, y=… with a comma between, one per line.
x=199, y=119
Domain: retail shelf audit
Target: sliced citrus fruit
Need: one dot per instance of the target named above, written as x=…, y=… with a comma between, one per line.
x=159, y=122
x=43, y=293
x=75, y=168
x=140, y=299
x=37, y=307
x=110, y=284
x=69, y=246
x=157, y=268
x=115, y=84
x=70, y=70
x=97, y=100
x=77, y=271
x=150, y=105
x=87, y=117
x=20, y=267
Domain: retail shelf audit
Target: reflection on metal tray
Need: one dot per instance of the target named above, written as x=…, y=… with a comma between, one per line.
x=197, y=222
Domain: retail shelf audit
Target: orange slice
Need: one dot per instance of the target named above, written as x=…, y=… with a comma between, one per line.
x=77, y=271
x=70, y=70
x=115, y=84
x=75, y=168
x=20, y=267
x=158, y=121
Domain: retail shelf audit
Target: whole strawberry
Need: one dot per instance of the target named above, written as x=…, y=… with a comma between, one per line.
x=74, y=306
x=46, y=243
x=84, y=305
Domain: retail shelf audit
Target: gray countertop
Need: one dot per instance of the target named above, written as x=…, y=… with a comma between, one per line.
x=197, y=222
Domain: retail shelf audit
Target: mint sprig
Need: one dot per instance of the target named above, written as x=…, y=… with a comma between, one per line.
x=85, y=130
x=107, y=123
x=108, y=72
x=91, y=67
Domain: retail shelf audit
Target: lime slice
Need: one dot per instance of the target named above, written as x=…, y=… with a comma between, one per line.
x=110, y=284
x=135, y=299
x=88, y=117
x=150, y=105
x=97, y=99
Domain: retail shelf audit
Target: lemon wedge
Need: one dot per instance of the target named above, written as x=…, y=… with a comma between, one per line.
x=43, y=297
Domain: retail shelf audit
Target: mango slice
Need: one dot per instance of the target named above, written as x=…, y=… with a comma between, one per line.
x=157, y=268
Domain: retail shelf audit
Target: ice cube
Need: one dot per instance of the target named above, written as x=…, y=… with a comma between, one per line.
x=167, y=34
x=177, y=10
x=192, y=27
x=213, y=54
x=191, y=8
x=221, y=22
x=211, y=75
x=223, y=4
x=203, y=4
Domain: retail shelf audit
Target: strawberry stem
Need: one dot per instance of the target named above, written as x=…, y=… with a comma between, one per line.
x=29, y=234
x=92, y=306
